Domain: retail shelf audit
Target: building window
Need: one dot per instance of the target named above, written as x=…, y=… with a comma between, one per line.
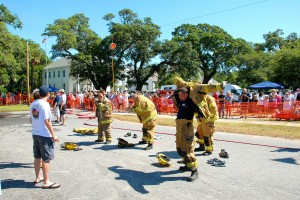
x=53, y=74
x=64, y=73
x=49, y=74
x=64, y=86
x=58, y=75
x=45, y=74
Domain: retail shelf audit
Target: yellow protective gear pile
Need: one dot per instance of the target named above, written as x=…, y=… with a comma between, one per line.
x=164, y=160
x=70, y=146
x=86, y=130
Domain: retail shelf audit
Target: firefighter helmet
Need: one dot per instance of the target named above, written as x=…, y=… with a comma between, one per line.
x=163, y=160
x=123, y=143
x=70, y=145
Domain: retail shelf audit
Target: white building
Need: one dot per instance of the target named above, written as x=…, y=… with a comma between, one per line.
x=122, y=85
x=57, y=75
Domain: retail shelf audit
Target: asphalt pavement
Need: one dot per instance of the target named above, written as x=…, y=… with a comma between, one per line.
x=257, y=167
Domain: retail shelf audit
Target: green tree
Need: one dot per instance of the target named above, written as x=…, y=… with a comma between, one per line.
x=207, y=47
x=12, y=58
x=253, y=67
x=138, y=45
x=274, y=40
x=286, y=66
x=8, y=18
x=90, y=56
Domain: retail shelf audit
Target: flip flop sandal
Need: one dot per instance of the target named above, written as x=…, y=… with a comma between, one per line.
x=52, y=186
x=36, y=182
x=77, y=149
x=128, y=134
x=135, y=136
x=211, y=161
x=219, y=163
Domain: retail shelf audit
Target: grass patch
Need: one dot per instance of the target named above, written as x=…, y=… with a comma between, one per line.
x=14, y=108
x=287, y=132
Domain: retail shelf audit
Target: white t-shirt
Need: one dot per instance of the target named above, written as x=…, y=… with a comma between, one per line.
x=39, y=112
x=64, y=98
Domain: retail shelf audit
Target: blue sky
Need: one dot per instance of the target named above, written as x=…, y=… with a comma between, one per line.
x=247, y=19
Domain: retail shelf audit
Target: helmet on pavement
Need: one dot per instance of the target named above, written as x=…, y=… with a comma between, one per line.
x=70, y=145
x=163, y=160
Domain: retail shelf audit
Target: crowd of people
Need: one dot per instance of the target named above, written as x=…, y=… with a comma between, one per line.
x=258, y=103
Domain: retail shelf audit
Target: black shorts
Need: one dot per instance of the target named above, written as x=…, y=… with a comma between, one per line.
x=43, y=147
x=63, y=110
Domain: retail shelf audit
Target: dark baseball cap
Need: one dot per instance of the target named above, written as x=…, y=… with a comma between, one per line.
x=44, y=90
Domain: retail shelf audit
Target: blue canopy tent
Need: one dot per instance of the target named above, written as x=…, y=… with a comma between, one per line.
x=52, y=89
x=266, y=85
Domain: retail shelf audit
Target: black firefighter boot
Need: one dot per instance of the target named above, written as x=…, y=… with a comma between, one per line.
x=200, y=148
x=184, y=168
x=150, y=146
x=193, y=176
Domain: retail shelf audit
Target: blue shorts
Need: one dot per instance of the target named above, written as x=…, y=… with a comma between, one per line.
x=43, y=147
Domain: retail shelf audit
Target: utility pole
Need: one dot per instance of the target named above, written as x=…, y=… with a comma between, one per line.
x=112, y=47
x=27, y=73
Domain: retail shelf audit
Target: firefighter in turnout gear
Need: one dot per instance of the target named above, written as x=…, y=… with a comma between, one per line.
x=104, y=114
x=185, y=138
x=206, y=127
x=199, y=95
x=147, y=114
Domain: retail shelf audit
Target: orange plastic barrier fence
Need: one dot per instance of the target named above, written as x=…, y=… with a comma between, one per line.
x=268, y=110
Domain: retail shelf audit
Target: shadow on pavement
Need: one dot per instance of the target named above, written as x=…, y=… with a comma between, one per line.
x=291, y=150
x=10, y=183
x=105, y=147
x=82, y=135
x=86, y=143
x=287, y=160
x=5, y=165
x=137, y=179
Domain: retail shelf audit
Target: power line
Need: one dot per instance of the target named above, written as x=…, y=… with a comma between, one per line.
x=217, y=12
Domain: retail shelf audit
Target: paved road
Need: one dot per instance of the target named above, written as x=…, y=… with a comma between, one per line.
x=258, y=167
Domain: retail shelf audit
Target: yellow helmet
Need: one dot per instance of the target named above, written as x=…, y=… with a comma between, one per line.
x=163, y=160
x=70, y=145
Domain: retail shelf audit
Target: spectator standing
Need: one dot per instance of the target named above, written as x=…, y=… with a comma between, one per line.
x=266, y=105
x=244, y=101
x=228, y=103
x=273, y=100
x=260, y=104
x=221, y=98
x=287, y=102
x=63, y=107
x=56, y=106
x=43, y=137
